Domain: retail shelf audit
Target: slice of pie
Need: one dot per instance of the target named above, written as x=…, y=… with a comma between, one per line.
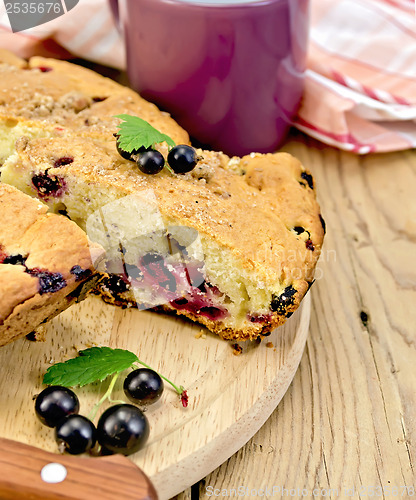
x=46, y=264
x=232, y=244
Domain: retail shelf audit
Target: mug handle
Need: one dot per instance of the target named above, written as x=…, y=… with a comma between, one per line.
x=115, y=11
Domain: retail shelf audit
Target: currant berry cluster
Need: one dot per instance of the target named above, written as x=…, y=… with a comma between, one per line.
x=122, y=428
x=181, y=159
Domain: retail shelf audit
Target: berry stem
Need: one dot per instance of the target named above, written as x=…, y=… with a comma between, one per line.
x=117, y=401
x=180, y=390
x=107, y=395
x=168, y=168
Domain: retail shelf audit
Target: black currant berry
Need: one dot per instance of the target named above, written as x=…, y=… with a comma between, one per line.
x=150, y=161
x=54, y=403
x=125, y=154
x=182, y=159
x=75, y=434
x=123, y=428
x=143, y=386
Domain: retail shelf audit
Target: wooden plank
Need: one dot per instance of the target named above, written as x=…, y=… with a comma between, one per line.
x=347, y=423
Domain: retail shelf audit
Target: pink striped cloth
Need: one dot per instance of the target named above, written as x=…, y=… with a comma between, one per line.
x=360, y=92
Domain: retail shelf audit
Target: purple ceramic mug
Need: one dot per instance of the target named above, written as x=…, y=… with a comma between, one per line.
x=229, y=71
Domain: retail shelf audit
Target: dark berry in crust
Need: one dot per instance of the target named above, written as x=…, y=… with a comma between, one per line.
x=80, y=273
x=309, y=245
x=308, y=178
x=15, y=260
x=65, y=160
x=48, y=282
x=280, y=302
x=299, y=229
x=323, y=223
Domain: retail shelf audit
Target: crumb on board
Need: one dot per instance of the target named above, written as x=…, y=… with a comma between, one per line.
x=86, y=346
x=269, y=345
x=38, y=334
x=237, y=349
x=91, y=344
x=201, y=334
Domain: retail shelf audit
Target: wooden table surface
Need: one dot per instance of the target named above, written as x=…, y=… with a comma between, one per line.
x=346, y=428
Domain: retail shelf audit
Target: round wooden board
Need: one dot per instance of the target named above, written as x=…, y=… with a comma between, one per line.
x=230, y=396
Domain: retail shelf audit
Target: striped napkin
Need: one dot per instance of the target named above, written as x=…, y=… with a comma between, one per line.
x=360, y=90
x=360, y=86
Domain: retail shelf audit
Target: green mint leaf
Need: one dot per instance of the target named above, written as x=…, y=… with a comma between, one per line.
x=135, y=133
x=95, y=363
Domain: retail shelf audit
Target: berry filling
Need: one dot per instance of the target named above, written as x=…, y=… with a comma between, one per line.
x=3, y=254
x=196, y=303
x=184, y=288
x=133, y=272
x=259, y=318
x=47, y=186
x=154, y=267
x=181, y=285
x=44, y=69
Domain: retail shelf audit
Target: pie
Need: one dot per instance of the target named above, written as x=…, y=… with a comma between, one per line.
x=232, y=245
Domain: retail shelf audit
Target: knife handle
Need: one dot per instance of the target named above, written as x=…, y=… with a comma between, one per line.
x=25, y=473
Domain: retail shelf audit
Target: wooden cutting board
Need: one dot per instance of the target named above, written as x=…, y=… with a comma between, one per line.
x=230, y=396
